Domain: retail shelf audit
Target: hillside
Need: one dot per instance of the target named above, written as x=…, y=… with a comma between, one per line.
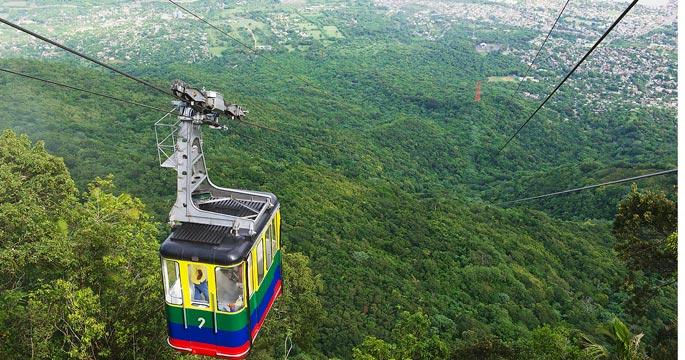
x=397, y=213
x=339, y=72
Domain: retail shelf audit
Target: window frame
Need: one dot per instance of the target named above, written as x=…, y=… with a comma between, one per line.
x=268, y=247
x=218, y=281
x=258, y=251
x=250, y=275
x=168, y=288
x=192, y=302
x=277, y=233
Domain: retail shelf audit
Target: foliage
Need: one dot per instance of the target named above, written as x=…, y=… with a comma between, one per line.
x=622, y=346
x=296, y=316
x=486, y=348
x=646, y=232
x=391, y=224
x=645, y=228
x=66, y=322
x=84, y=274
x=411, y=341
x=38, y=191
x=550, y=343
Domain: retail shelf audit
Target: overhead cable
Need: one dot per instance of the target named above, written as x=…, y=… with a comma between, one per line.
x=307, y=82
x=304, y=80
x=591, y=186
x=292, y=135
x=241, y=121
x=540, y=49
x=27, y=31
x=216, y=28
x=625, y=12
x=84, y=90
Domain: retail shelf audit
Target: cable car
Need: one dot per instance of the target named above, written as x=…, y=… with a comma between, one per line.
x=221, y=263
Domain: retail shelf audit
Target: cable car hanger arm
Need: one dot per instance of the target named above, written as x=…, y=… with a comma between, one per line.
x=198, y=200
x=206, y=102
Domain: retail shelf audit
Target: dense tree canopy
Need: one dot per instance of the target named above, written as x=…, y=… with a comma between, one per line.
x=382, y=237
x=394, y=247
x=647, y=240
x=80, y=273
x=645, y=227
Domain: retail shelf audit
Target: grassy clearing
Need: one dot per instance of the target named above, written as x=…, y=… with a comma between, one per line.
x=501, y=78
x=331, y=31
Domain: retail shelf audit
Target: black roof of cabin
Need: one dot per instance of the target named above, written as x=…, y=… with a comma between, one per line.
x=214, y=244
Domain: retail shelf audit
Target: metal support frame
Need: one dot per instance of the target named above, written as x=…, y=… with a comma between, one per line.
x=179, y=146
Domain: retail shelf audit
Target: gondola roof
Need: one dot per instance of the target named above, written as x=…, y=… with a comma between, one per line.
x=205, y=243
x=216, y=244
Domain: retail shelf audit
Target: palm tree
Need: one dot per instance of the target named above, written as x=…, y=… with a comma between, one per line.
x=626, y=346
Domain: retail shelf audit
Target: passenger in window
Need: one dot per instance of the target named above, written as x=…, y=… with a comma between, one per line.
x=235, y=275
x=230, y=289
x=231, y=306
x=198, y=276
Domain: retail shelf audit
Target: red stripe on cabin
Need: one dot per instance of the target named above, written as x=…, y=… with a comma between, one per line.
x=277, y=292
x=199, y=348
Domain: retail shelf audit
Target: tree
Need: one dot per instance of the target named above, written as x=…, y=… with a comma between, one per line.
x=108, y=302
x=297, y=315
x=547, y=343
x=645, y=228
x=81, y=279
x=411, y=341
x=647, y=240
x=35, y=195
x=644, y=225
x=484, y=348
x=374, y=349
x=623, y=344
x=66, y=322
x=117, y=256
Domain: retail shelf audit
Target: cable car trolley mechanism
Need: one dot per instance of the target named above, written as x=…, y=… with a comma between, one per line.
x=221, y=264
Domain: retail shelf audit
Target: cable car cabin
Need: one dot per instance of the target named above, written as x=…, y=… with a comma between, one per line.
x=221, y=264
x=219, y=287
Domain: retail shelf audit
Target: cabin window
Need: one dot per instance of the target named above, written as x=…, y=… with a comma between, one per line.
x=250, y=275
x=274, y=235
x=229, y=288
x=269, y=253
x=199, y=290
x=172, y=283
x=260, y=260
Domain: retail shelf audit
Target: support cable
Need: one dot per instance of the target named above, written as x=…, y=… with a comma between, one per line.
x=591, y=186
x=263, y=127
x=273, y=62
x=279, y=66
x=27, y=31
x=625, y=12
x=293, y=135
x=539, y=50
x=86, y=91
x=305, y=81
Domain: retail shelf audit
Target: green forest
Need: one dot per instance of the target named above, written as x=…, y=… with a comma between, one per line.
x=396, y=242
